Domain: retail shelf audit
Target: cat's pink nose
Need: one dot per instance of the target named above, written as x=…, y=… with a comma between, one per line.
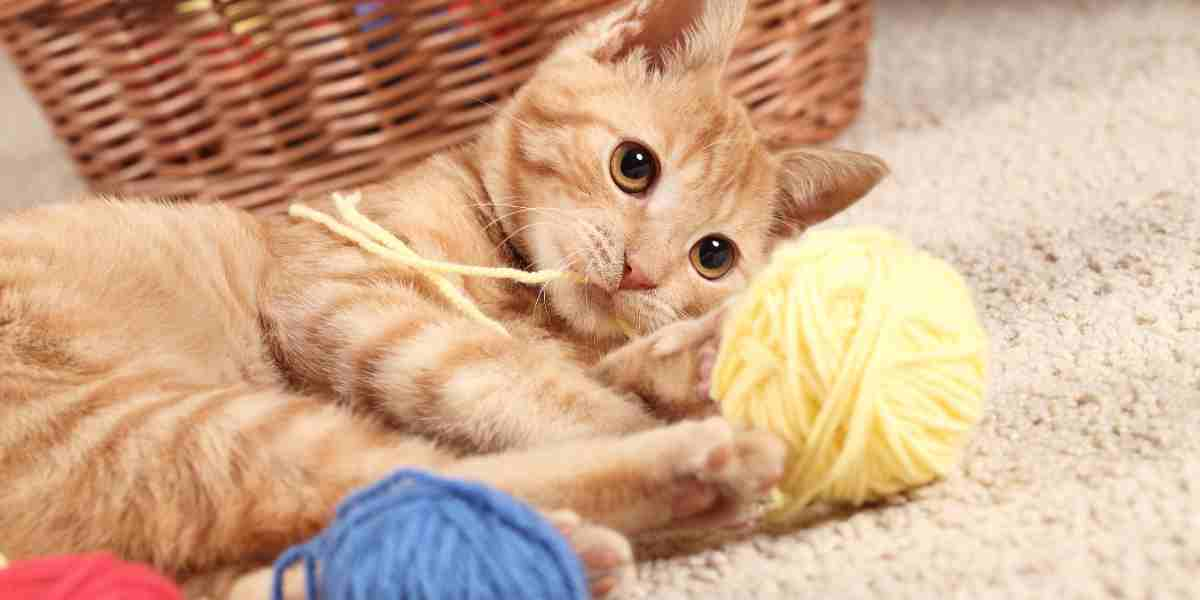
x=635, y=279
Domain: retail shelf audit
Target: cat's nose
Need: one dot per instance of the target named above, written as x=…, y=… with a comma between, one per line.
x=634, y=278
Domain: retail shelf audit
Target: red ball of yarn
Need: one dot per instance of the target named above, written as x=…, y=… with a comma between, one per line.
x=98, y=576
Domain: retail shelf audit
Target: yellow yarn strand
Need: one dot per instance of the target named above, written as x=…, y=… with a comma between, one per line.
x=865, y=355
x=347, y=206
x=373, y=238
x=3, y=561
x=447, y=289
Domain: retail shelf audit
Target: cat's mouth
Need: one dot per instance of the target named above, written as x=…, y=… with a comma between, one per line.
x=633, y=312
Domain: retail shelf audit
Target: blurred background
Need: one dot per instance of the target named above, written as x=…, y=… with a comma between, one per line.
x=34, y=166
x=934, y=64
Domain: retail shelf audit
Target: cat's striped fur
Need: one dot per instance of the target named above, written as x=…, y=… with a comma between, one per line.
x=197, y=388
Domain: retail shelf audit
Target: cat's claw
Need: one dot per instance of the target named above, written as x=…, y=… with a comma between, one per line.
x=606, y=555
x=724, y=473
x=708, y=361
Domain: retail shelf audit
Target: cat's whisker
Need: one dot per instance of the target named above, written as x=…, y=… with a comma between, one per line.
x=521, y=210
x=511, y=117
x=565, y=264
x=493, y=222
x=504, y=203
x=519, y=230
x=496, y=202
x=537, y=301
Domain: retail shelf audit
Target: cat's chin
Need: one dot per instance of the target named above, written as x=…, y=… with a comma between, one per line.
x=589, y=309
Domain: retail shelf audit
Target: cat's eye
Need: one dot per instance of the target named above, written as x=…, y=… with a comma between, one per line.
x=634, y=168
x=714, y=256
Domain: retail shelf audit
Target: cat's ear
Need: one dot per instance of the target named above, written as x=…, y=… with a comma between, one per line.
x=670, y=34
x=817, y=183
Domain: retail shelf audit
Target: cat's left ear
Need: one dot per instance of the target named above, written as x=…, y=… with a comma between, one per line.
x=671, y=34
x=818, y=183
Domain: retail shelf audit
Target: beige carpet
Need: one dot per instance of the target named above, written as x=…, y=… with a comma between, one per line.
x=34, y=167
x=1051, y=149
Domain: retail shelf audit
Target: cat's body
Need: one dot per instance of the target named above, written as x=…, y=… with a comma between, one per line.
x=196, y=388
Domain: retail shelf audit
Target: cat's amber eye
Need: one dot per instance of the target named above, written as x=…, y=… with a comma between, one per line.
x=714, y=256
x=634, y=168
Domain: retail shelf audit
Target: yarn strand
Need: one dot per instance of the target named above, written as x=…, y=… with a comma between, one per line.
x=347, y=206
x=374, y=239
x=452, y=294
x=378, y=241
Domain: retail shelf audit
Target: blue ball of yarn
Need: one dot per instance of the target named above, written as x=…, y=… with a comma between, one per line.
x=415, y=536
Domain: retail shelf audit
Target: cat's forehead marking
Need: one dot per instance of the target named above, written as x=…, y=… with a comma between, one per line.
x=666, y=195
x=676, y=185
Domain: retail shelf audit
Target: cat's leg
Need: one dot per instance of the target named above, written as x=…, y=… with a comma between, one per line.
x=670, y=368
x=391, y=350
x=473, y=388
x=188, y=478
x=692, y=474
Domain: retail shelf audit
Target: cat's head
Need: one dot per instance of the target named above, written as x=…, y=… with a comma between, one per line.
x=623, y=159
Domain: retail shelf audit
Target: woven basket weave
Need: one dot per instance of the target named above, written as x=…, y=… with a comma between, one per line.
x=253, y=102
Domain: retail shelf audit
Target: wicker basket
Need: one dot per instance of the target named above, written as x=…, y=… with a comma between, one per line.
x=253, y=102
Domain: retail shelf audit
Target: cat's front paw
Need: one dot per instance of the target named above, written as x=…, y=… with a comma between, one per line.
x=722, y=473
x=708, y=361
x=606, y=555
x=670, y=369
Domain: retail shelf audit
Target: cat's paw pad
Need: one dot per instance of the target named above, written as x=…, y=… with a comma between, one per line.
x=724, y=473
x=606, y=555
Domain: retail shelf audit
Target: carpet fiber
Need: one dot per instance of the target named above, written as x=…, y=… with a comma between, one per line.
x=1051, y=151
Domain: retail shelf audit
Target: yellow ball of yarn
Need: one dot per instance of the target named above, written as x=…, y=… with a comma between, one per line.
x=865, y=355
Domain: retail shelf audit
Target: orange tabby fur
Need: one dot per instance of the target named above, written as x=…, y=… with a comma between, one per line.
x=196, y=388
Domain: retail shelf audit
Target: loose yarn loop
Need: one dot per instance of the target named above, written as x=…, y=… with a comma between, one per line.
x=419, y=537
x=373, y=238
x=866, y=355
x=381, y=242
x=97, y=576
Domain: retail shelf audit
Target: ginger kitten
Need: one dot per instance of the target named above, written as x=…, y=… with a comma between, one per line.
x=196, y=388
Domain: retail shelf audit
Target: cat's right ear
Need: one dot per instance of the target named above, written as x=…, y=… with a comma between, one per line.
x=817, y=183
x=669, y=34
